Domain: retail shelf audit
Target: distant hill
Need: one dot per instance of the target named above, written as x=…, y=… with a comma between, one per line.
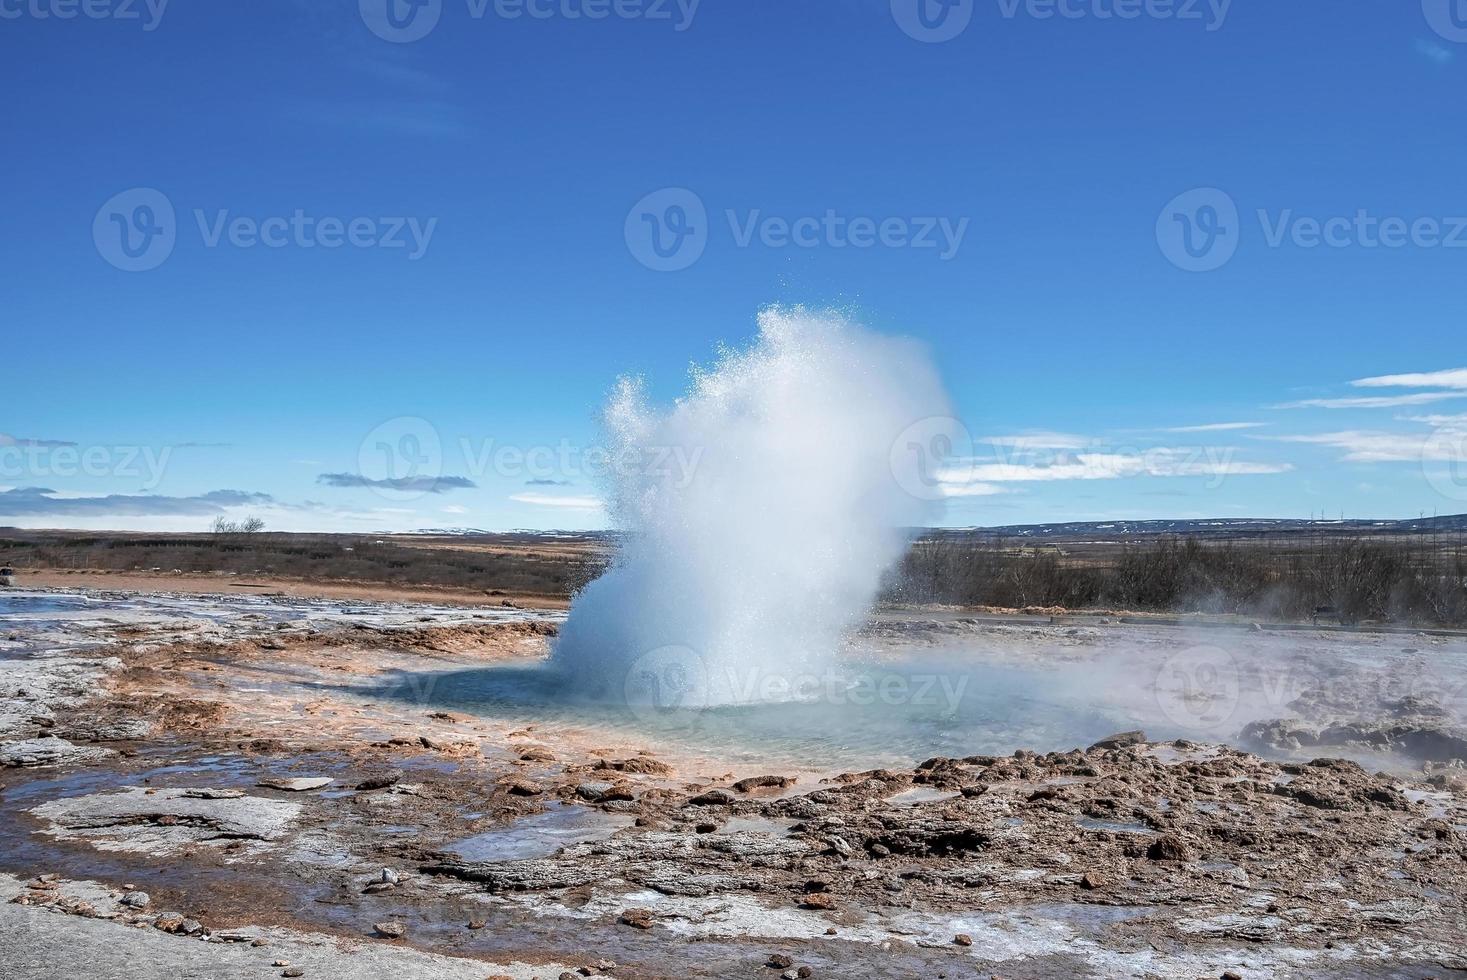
x=1212, y=527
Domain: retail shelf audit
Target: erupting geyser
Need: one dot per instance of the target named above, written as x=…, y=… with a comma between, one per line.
x=759, y=514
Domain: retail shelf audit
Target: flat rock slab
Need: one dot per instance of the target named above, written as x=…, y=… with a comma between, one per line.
x=299, y=784
x=138, y=820
x=33, y=753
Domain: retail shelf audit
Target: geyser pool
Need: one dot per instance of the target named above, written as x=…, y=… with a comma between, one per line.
x=742, y=567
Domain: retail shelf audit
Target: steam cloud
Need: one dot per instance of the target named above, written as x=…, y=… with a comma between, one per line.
x=750, y=565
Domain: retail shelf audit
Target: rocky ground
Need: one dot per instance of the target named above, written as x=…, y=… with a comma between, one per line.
x=269, y=786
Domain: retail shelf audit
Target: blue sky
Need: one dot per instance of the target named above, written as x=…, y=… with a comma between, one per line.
x=441, y=245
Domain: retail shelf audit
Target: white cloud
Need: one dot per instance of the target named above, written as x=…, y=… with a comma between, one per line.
x=953, y=485
x=549, y=500
x=1157, y=462
x=1218, y=427
x=455, y=509
x=1455, y=378
x=1369, y=447
x=1376, y=401
x=1039, y=440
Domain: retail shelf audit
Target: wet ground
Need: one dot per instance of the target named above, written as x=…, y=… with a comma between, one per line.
x=960, y=821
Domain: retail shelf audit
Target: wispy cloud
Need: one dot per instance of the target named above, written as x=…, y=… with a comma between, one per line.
x=41, y=502
x=1368, y=447
x=547, y=483
x=1039, y=440
x=400, y=117
x=412, y=484
x=9, y=440
x=1156, y=462
x=1217, y=427
x=1376, y=401
x=550, y=500
x=1454, y=378
x=1434, y=52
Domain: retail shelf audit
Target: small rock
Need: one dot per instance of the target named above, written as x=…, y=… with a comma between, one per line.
x=763, y=782
x=714, y=797
x=389, y=930
x=293, y=971
x=168, y=922
x=136, y=900
x=298, y=784
x=1092, y=880
x=478, y=923
x=636, y=918
x=521, y=788
x=790, y=975
x=1120, y=740
x=537, y=753
x=213, y=794
x=1232, y=975
x=819, y=901
x=190, y=927
x=706, y=828
x=779, y=961
x=962, y=939
x=1169, y=847
x=380, y=780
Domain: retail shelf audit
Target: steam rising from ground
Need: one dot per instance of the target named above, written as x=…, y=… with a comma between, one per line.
x=759, y=521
